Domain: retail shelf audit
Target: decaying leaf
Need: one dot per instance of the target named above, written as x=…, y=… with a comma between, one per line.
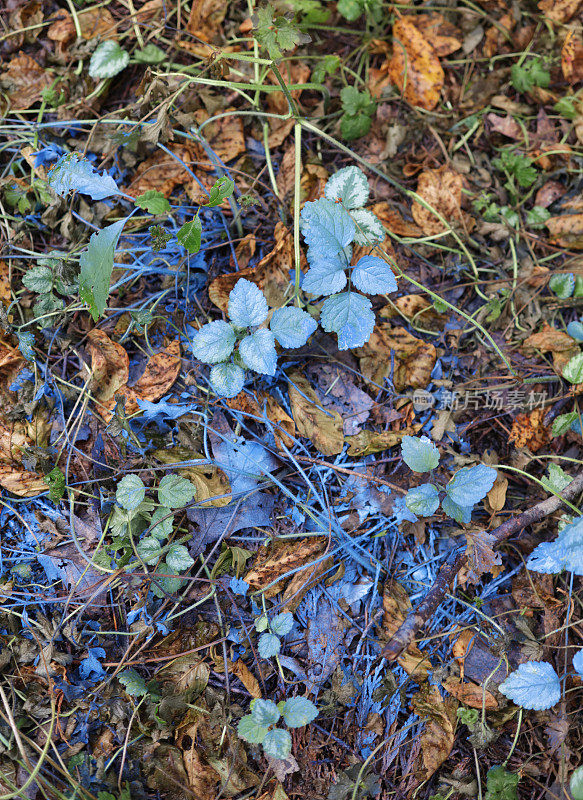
x=437, y=736
x=393, y=220
x=481, y=555
x=566, y=230
x=443, y=37
x=529, y=430
x=470, y=694
x=417, y=308
x=367, y=442
x=441, y=190
x=414, y=358
x=212, y=485
x=161, y=172
x=396, y=606
x=110, y=366
x=572, y=58
x=414, y=67
x=205, y=19
x=496, y=497
x=323, y=427
x=559, y=10
x=24, y=81
x=551, y=340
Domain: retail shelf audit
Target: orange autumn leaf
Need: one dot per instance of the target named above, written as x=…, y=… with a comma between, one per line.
x=414, y=67
x=572, y=58
x=566, y=230
x=444, y=37
x=394, y=222
x=441, y=189
x=529, y=430
x=559, y=10
x=24, y=81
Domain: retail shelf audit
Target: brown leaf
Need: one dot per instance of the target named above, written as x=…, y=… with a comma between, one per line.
x=284, y=428
x=394, y=222
x=559, y=10
x=323, y=427
x=497, y=494
x=21, y=482
x=470, y=694
x=212, y=485
x=548, y=193
x=507, y=125
x=161, y=172
x=110, y=366
x=441, y=189
x=224, y=135
x=497, y=35
x=414, y=67
x=567, y=230
x=551, y=340
x=417, y=308
x=161, y=371
x=481, y=556
x=437, y=737
x=25, y=80
x=202, y=778
x=367, y=442
x=529, y=430
x=244, y=251
x=247, y=678
x=279, y=557
x=444, y=37
x=414, y=358
x=97, y=22
x=293, y=72
x=5, y=285
x=205, y=18
x=396, y=606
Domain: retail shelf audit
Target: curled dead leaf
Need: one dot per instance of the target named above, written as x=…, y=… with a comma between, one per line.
x=367, y=442
x=394, y=222
x=470, y=694
x=205, y=19
x=110, y=366
x=24, y=81
x=481, y=557
x=396, y=606
x=437, y=736
x=414, y=358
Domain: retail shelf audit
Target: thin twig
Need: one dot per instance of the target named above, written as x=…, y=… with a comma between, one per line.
x=456, y=559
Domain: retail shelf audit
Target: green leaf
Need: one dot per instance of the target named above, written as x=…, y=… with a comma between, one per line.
x=422, y=500
x=578, y=291
x=557, y=479
x=562, y=285
x=282, y=623
x=419, y=453
x=130, y=492
x=276, y=33
x=277, y=743
x=576, y=784
x=563, y=423
x=167, y=580
x=162, y=529
x=38, y=279
x=537, y=216
x=529, y=74
x=108, y=60
x=55, y=480
x=567, y=107
x=261, y=623
x=326, y=66
x=96, y=267
x=268, y=645
x=355, y=102
x=251, y=731
x=150, y=54
x=354, y=127
x=298, y=711
x=500, y=785
x=573, y=370
x=190, y=235
x=350, y=9
x=175, y=492
x=311, y=11
x=134, y=684
x=265, y=712
x=153, y=202
x=220, y=190
x=149, y=550
x=178, y=558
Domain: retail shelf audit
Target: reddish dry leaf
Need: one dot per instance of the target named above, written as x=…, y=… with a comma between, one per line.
x=551, y=340
x=394, y=222
x=529, y=430
x=572, y=58
x=367, y=442
x=441, y=189
x=225, y=137
x=414, y=67
x=507, y=125
x=470, y=694
x=205, y=19
x=378, y=79
x=497, y=35
x=559, y=10
x=24, y=80
x=20, y=482
x=481, y=556
x=415, y=307
x=496, y=497
x=548, y=193
x=149, y=11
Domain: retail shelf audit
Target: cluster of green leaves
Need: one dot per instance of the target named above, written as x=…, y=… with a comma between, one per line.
x=528, y=74
x=269, y=642
x=54, y=275
x=258, y=727
x=140, y=527
x=491, y=211
x=501, y=784
x=24, y=198
x=277, y=32
x=357, y=112
x=519, y=170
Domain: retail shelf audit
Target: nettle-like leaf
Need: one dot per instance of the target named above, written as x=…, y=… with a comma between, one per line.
x=214, y=342
x=369, y=229
x=348, y=185
x=178, y=558
x=326, y=275
x=133, y=682
x=422, y=500
x=573, y=370
x=578, y=662
x=565, y=553
x=130, y=492
x=564, y=422
x=108, y=60
x=327, y=228
x=372, y=275
x=282, y=623
x=562, y=285
x=265, y=712
x=258, y=352
x=277, y=743
x=247, y=304
x=534, y=685
x=162, y=523
x=72, y=174
x=153, y=202
x=175, y=491
x=251, y=731
x=292, y=327
x=96, y=267
x=501, y=784
x=227, y=379
x=38, y=279
x=456, y=511
x=268, y=645
x=298, y=711
x=469, y=485
x=350, y=316
x=149, y=550
x=222, y=189
x=419, y=453
x=557, y=478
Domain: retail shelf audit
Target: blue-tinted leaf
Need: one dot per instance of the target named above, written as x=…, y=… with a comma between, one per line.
x=175, y=491
x=277, y=743
x=298, y=711
x=282, y=623
x=134, y=684
x=247, y=304
x=373, y=276
x=419, y=453
x=292, y=327
x=178, y=558
x=566, y=552
x=227, y=379
x=265, y=712
x=71, y=174
x=455, y=511
x=575, y=329
x=573, y=370
x=350, y=315
x=368, y=228
x=26, y=344
x=238, y=586
x=326, y=275
x=349, y=185
x=422, y=500
x=327, y=227
x=162, y=523
x=578, y=662
x=149, y=550
x=214, y=342
x=130, y=492
x=251, y=731
x=96, y=267
x=108, y=59
x=534, y=685
x=576, y=779
x=268, y=645
x=258, y=352
x=471, y=484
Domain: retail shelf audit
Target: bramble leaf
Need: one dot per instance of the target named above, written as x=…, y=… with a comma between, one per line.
x=149, y=549
x=419, y=453
x=214, y=342
x=327, y=228
x=456, y=511
x=277, y=743
x=96, y=267
x=292, y=327
x=282, y=623
x=175, y=491
x=349, y=315
x=469, y=485
x=325, y=276
x=251, y=731
x=178, y=558
x=348, y=185
x=72, y=174
x=578, y=662
x=298, y=711
x=162, y=523
x=258, y=352
x=130, y=492
x=562, y=284
x=422, y=500
x=373, y=276
x=227, y=379
x=573, y=370
x=534, y=685
x=268, y=645
x=38, y=279
x=369, y=229
x=265, y=712
x=247, y=304
x=575, y=330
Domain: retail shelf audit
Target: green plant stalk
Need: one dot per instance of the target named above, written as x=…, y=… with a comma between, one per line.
x=297, y=199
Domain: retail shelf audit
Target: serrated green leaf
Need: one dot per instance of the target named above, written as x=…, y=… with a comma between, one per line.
x=178, y=558
x=153, y=202
x=251, y=731
x=563, y=423
x=190, y=235
x=96, y=267
x=353, y=127
x=265, y=712
x=220, y=190
x=149, y=550
x=298, y=711
x=130, y=492
x=277, y=743
x=282, y=623
x=38, y=279
x=134, y=684
x=573, y=370
x=268, y=645
x=55, y=480
x=175, y=491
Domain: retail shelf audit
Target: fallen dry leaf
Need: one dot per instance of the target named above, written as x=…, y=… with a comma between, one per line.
x=293, y=73
x=417, y=309
x=205, y=19
x=507, y=125
x=244, y=252
x=396, y=606
x=443, y=37
x=437, y=736
x=481, y=557
x=323, y=427
x=529, y=430
x=559, y=10
x=470, y=694
x=202, y=778
x=572, y=58
x=441, y=189
x=498, y=35
x=24, y=81
x=551, y=340
x=496, y=497
x=367, y=442
x=414, y=358
x=548, y=193
x=110, y=366
x=225, y=137
x=394, y=222
x=212, y=486
x=96, y=22
x=414, y=67
x=249, y=681
x=161, y=172
x=567, y=230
